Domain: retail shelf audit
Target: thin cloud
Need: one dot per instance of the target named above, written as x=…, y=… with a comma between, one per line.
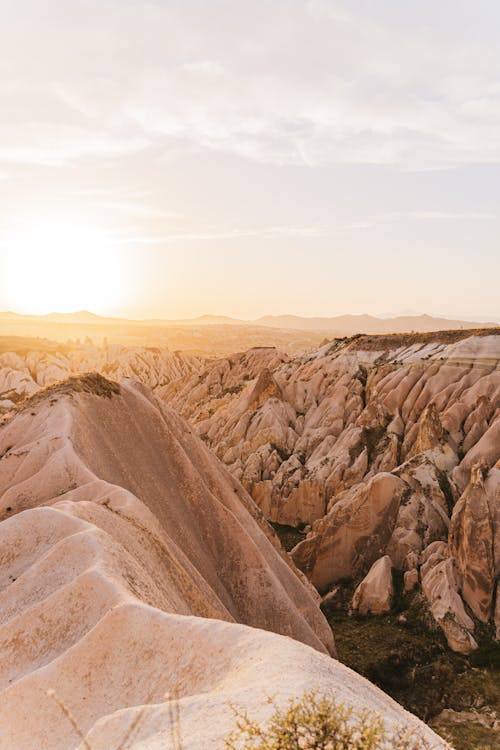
x=362, y=91
x=276, y=232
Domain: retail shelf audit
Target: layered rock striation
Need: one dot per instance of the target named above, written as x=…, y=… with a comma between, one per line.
x=139, y=583
x=384, y=445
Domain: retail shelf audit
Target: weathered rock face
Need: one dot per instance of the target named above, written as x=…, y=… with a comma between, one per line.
x=338, y=416
x=353, y=534
x=472, y=537
x=129, y=559
x=423, y=516
x=375, y=593
x=440, y=585
x=24, y=374
x=123, y=451
x=430, y=431
x=308, y=436
x=422, y=410
x=305, y=502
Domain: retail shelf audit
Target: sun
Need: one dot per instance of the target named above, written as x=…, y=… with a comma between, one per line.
x=60, y=266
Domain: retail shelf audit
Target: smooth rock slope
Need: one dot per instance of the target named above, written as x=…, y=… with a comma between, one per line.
x=132, y=565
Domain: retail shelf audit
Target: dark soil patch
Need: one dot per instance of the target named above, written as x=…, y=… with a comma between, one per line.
x=289, y=536
x=411, y=662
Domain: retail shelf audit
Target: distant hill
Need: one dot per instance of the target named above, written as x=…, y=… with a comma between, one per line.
x=86, y=317
x=82, y=316
x=346, y=325
x=340, y=325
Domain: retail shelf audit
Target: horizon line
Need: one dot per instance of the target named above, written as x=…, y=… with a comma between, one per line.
x=245, y=321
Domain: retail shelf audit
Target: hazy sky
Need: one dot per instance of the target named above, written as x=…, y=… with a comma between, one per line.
x=304, y=156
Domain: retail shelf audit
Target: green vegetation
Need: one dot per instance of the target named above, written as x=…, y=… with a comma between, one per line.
x=467, y=736
x=408, y=658
x=315, y=722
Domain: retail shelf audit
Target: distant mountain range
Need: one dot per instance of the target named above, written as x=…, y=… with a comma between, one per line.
x=350, y=324
x=340, y=325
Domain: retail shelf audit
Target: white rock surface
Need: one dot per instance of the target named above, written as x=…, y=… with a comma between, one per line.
x=129, y=561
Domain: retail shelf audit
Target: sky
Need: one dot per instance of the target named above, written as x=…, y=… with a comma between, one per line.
x=316, y=157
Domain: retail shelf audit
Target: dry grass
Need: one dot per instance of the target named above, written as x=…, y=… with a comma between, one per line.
x=375, y=342
x=91, y=382
x=133, y=730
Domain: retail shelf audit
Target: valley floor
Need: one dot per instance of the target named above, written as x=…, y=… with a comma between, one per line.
x=407, y=656
x=459, y=697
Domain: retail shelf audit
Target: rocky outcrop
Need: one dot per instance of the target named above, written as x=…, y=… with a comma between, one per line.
x=353, y=534
x=309, y=435
x=131, y=566
x=375, y=593
x=472, y=537
x=440, y=585
x=423, y=410
x=23, y=374
x=430, y=431
x=423, y=517
x=340, y=415
x=117, y=448
x=302, y=506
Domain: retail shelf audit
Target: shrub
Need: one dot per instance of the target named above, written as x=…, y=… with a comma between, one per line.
x=315, y=722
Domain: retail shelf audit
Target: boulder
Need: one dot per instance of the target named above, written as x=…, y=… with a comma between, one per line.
x=375, y=593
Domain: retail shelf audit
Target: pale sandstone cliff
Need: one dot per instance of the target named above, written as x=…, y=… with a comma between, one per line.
x=132, y=565
x=25, y=372
x=372, y=441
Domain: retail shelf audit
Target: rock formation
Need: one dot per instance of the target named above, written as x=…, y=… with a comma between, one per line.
x=440, y=585
x=132, y=565
x=353, y=534
x=26, y=372
x=375, y=593
x=373, y=442
x=472, y=537
x=368, y=443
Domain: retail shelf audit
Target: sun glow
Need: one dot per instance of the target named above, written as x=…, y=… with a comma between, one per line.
x=61, y=266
